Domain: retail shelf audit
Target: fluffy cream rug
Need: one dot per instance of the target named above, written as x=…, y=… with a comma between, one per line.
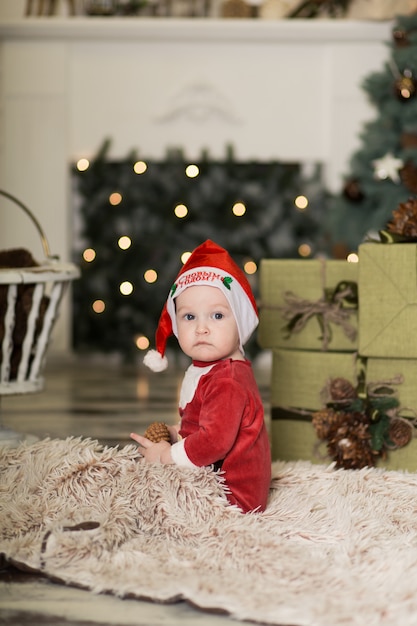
x=333, y=547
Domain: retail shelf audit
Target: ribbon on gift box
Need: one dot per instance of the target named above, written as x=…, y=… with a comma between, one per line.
x=297, y=415
x=385, y=236
x=380, y=389
x=334, y=307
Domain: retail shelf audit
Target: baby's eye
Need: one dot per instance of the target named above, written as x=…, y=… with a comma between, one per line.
x=189, y=316
x=218, y=316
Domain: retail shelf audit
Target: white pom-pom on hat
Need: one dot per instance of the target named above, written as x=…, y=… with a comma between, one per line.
x=155, y=361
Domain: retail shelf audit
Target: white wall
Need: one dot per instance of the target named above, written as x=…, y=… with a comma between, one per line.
x=288, y=90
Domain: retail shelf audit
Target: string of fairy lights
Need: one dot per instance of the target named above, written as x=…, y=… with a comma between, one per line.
x=150, y=275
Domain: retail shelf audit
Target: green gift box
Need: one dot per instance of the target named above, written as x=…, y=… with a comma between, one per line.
x=388, y=300
x=293, y=438
x=298, y=376
x=297, y=380
x=302, y=304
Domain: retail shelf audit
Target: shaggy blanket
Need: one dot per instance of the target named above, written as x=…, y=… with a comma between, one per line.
x=334, y=547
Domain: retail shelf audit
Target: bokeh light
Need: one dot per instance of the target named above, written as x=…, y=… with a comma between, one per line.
x=304, y=250
x=142, y=342
x=140, y=167
x=250, y=267
x=98, y=306
x=89, y=255
x=301, y=203
x=115, y=198
x=185, y=256
x=124, y=242
x=238, y=209
x=181, y=210
x=150, y=276
x=83, y=165
x=192, y=171
x=126, y=288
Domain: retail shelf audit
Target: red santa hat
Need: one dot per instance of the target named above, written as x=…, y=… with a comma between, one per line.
x=210, y=265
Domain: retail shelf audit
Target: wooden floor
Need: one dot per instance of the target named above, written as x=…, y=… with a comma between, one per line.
x=106, y=401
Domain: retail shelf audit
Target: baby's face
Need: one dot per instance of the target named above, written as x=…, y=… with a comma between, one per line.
x=207, y=329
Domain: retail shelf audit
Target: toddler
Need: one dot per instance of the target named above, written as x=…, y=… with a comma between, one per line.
x=212, y=312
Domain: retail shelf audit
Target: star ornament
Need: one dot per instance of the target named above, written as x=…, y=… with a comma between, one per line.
x=388, y=167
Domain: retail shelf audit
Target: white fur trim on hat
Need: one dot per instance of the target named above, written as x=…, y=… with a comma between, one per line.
x=245, y=315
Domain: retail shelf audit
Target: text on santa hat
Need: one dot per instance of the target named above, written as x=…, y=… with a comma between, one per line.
x=201, y=275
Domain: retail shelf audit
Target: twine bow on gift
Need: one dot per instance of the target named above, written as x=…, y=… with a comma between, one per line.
x=329, y=309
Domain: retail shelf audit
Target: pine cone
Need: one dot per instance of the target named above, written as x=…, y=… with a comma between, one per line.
x=326, y=421
x=157, y=431
x=341, y=389
x=404, y=220
x=353, y=191
x=409, y=176
x=350, y=445
x=408, y=140
x=400, y=432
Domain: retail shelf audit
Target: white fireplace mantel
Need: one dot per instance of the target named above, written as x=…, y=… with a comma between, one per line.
x=295, y=31
x=286, y=89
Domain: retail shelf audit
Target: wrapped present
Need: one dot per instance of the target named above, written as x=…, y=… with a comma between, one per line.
x=388, y=300
x=298, y=376
x=308, y=304
x=293, y=437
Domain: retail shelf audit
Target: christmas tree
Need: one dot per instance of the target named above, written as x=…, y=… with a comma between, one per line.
x=137, y=219
x=383, y=172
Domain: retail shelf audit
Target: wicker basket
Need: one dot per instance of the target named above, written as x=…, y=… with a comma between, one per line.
x=21, y=365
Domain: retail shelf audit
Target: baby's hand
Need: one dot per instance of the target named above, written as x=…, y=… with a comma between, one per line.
x=154, y=452
x=173, y=432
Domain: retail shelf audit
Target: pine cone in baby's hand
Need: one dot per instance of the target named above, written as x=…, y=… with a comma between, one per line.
x=157, y=431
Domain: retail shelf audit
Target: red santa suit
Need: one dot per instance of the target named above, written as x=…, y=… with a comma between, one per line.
x=222, y=424
x=222, y=419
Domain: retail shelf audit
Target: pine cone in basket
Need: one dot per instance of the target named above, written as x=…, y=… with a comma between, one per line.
x=157, y=431
x=18, y=258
